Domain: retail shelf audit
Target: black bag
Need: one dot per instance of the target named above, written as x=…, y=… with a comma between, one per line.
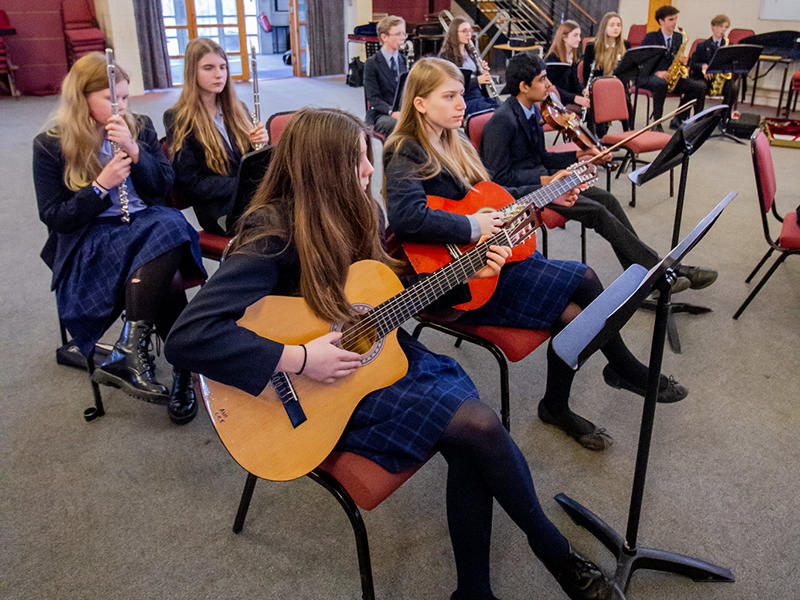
x=744, y=126
x=355, y=73
x=368, y=30
x=287, y=57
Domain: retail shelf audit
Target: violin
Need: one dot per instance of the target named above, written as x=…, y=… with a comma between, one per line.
x=559, y=118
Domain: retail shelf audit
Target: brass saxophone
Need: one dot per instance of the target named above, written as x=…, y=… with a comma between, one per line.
x=490, y=88
x=122, y=188
x=677, y=69
x=718, y=83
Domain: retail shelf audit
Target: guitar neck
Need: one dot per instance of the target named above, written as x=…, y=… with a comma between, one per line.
x=546, y=194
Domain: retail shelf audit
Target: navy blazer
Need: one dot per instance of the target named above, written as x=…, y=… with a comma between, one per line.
x=68, y=214
x=210, y=193
x=513, y=147
x=703, y=54
x=406, y=199
x=380, y=85
x=656, y=38
x=588, y=59
x=568, y=85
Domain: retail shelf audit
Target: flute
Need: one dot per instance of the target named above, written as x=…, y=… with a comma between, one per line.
x=256, y=116
x=122, y=188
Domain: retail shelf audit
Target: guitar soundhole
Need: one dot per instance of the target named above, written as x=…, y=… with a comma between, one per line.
x=359, y=335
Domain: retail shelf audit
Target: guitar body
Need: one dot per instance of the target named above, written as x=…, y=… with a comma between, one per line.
x=427, y=258
x=257, y=431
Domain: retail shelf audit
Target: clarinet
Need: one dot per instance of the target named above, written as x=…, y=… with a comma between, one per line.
x=408, y=54
x=586, y=90
x=122, y=188
x=490, y=88
x=256, y=116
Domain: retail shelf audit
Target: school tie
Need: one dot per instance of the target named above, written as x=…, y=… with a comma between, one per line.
x=669, y=43
x=393, y=64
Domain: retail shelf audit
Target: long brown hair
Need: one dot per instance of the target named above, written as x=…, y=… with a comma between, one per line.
x=460, y=158
x=558, y=47
x=311, y=196
x=450, y=47
x=74, y=125
x=192, y=117
x=608, y=50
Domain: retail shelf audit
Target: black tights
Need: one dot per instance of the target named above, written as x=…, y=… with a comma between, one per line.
x=484, y=463
x=155, y=292
x=560, y=376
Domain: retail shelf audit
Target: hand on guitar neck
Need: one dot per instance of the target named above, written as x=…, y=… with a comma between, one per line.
x=323, y=360
x=571, y=196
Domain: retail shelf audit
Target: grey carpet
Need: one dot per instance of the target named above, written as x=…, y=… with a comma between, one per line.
x=131, y=507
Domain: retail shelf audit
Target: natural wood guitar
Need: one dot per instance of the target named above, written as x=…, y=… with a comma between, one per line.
x=292, y=426
x=490, y=197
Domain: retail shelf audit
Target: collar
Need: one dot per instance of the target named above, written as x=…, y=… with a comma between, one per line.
x=388, y=57
x=529, y=112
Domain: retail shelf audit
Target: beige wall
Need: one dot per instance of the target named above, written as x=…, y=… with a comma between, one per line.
x=695, y=18
x=356, y=12
x=117, y=22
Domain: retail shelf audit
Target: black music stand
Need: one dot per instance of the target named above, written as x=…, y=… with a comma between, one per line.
x=557, y=73
x=587, y=333
x=636, y=65
x=398, y=92
x=251, y=171
x=736, y=59
x=685, y=142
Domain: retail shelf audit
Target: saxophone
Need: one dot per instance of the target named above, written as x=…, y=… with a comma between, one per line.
x=677, y=69
x=718, y=83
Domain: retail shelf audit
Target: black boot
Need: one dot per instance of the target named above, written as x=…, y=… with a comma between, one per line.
x=182, y=405
x=129, y=367
x=581, y=579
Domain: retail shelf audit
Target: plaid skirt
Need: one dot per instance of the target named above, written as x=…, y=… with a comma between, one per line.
x=90, y=293
x=398, y=426
x=530, y=294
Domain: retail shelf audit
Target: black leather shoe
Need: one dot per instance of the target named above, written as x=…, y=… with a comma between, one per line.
x=130, y=368
x=182, y=406
x=675, y=123
x=699, y=277
x=596, y=439
x=658, y=128
x=669, y=391
x=457, y=596
x=581, y=579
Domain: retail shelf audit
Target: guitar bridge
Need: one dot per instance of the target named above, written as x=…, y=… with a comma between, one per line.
x=288, y=396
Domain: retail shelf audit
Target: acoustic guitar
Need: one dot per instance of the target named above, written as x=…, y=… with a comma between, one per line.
x=292, y=426
x=490, y=197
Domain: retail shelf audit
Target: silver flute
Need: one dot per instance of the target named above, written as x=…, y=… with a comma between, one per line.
x=122, y=188
x=256, y=116
x=490, y=88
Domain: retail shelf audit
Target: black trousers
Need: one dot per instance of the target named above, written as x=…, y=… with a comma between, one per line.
x=689, y=89
x=599, y=210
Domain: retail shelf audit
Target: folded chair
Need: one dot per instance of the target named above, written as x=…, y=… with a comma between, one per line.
x=788, y=241
x=609, y=104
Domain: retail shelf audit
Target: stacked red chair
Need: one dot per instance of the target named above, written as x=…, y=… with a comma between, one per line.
x=81, y=31
x=6, y=68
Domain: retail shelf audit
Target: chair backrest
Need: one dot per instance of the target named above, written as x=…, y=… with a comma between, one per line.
x=764, y=170
x=475, y=124
x=5, y=22
x=580, y=71
x=735, y=35
x=277, y=123
x=695, y=44
x=585, y=41
x=608, y=100
x=636, y=34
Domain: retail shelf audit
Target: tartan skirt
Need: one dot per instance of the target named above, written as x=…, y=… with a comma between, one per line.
x=398, y=426
x=91, y=291
x=530, y=294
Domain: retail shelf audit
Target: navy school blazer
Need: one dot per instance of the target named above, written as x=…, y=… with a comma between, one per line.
x=380, y=85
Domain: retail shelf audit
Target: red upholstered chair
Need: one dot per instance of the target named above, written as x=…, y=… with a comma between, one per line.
x=356, y=482
x=277, y=123
x=736, y=35
x=788, y=241
x=636, y=34
x=608, y=102
x=81, y=30
x=695, y=44
x=503, y=342
x=475, y=124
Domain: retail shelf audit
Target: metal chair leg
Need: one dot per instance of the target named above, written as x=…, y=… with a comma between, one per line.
x=544, y=240
x=244, y=503
x=759, y=265
x=671, y=183
x=96, y=411
x=761, y=283
x=583, y=243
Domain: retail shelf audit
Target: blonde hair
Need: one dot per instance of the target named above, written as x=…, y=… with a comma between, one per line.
x=559, y=47
x=191, y=115
x=74, y=125
x=460, y=157
x=386, y=23
x=607, y=50
x=311, y=196
x=720, y=20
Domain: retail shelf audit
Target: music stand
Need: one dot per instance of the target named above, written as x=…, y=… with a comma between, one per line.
x=557, y=73
x=251, y=172
x=638, y=64
x=737, y=59
x=685, y=142
x=398, y=93
x=587, y=333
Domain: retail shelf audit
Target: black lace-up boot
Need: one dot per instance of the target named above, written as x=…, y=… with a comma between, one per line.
x=581, y=579
x=130, y=368
x=182, y=406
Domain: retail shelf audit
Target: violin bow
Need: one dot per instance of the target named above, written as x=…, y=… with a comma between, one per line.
x=636, y=134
